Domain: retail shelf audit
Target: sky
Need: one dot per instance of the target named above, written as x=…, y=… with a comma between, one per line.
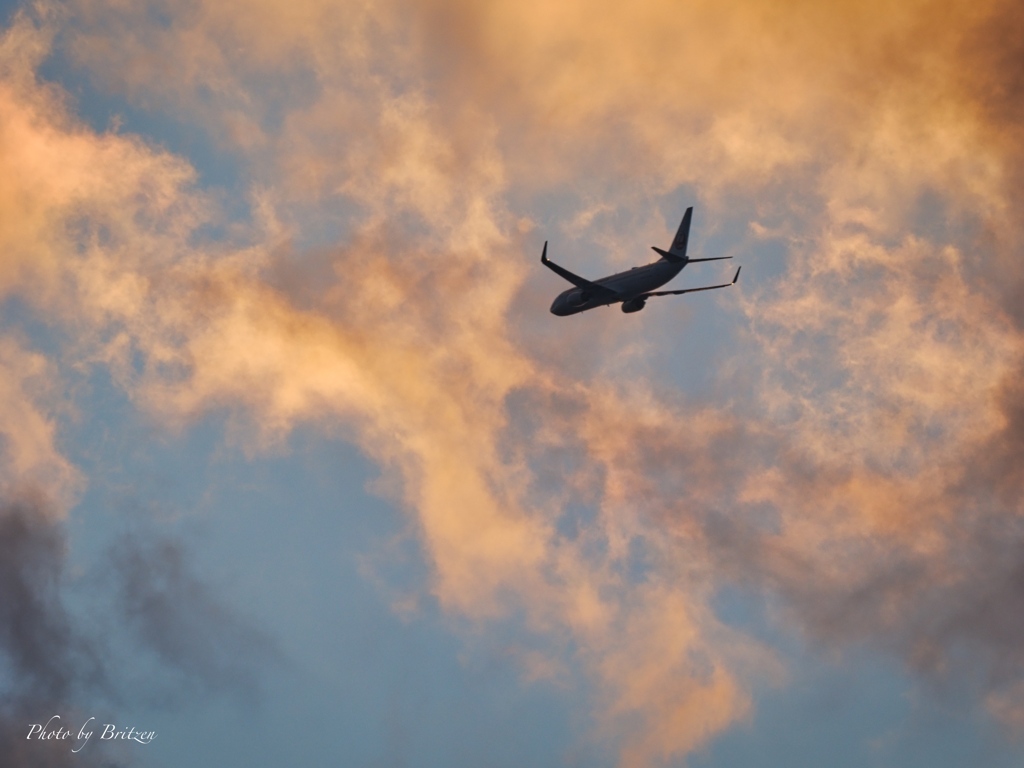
x=297, y=468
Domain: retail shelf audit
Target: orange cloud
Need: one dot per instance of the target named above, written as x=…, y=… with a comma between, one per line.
x=882, y=140
x=31, y=463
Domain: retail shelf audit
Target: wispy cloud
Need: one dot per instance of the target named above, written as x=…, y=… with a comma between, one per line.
x=884, y=436
x=58, y=670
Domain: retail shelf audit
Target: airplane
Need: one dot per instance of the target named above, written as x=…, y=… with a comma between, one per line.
x=632, y=288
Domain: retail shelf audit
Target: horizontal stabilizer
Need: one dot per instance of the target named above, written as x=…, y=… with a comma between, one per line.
x=674, y=257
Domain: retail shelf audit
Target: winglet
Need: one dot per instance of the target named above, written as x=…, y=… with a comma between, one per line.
x=737, y=275
x=544, y=253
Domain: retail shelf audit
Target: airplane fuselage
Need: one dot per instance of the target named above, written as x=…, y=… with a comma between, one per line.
x=627, y=285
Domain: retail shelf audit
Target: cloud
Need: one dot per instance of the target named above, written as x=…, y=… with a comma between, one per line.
x=890, y=356
x=422, y=387
x=53, y=661
x=49, y=665
x=871, y=484
x=38, y=641
x=29, y=406
x=177, y=617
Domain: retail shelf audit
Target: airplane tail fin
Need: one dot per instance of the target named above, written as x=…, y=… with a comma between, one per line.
x=678, y=250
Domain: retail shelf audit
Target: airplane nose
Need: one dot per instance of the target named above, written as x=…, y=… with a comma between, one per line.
x=558, y=307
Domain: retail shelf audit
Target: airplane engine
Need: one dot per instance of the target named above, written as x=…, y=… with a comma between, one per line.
x=634, y=305
x=581, y=298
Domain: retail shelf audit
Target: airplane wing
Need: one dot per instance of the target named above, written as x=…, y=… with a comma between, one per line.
x=694, y=290
x=595, y=290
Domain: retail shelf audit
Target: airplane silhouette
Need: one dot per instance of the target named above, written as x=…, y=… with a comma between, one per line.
x=632, y=288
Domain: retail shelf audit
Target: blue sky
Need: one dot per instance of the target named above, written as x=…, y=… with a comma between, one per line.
x=297, y=467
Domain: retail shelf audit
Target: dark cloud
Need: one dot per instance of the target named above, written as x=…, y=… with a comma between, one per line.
x=994, y=64
x=35, y=632
x=55, y=664
x=173, y=614
x=937, y=579
x=49, y=665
